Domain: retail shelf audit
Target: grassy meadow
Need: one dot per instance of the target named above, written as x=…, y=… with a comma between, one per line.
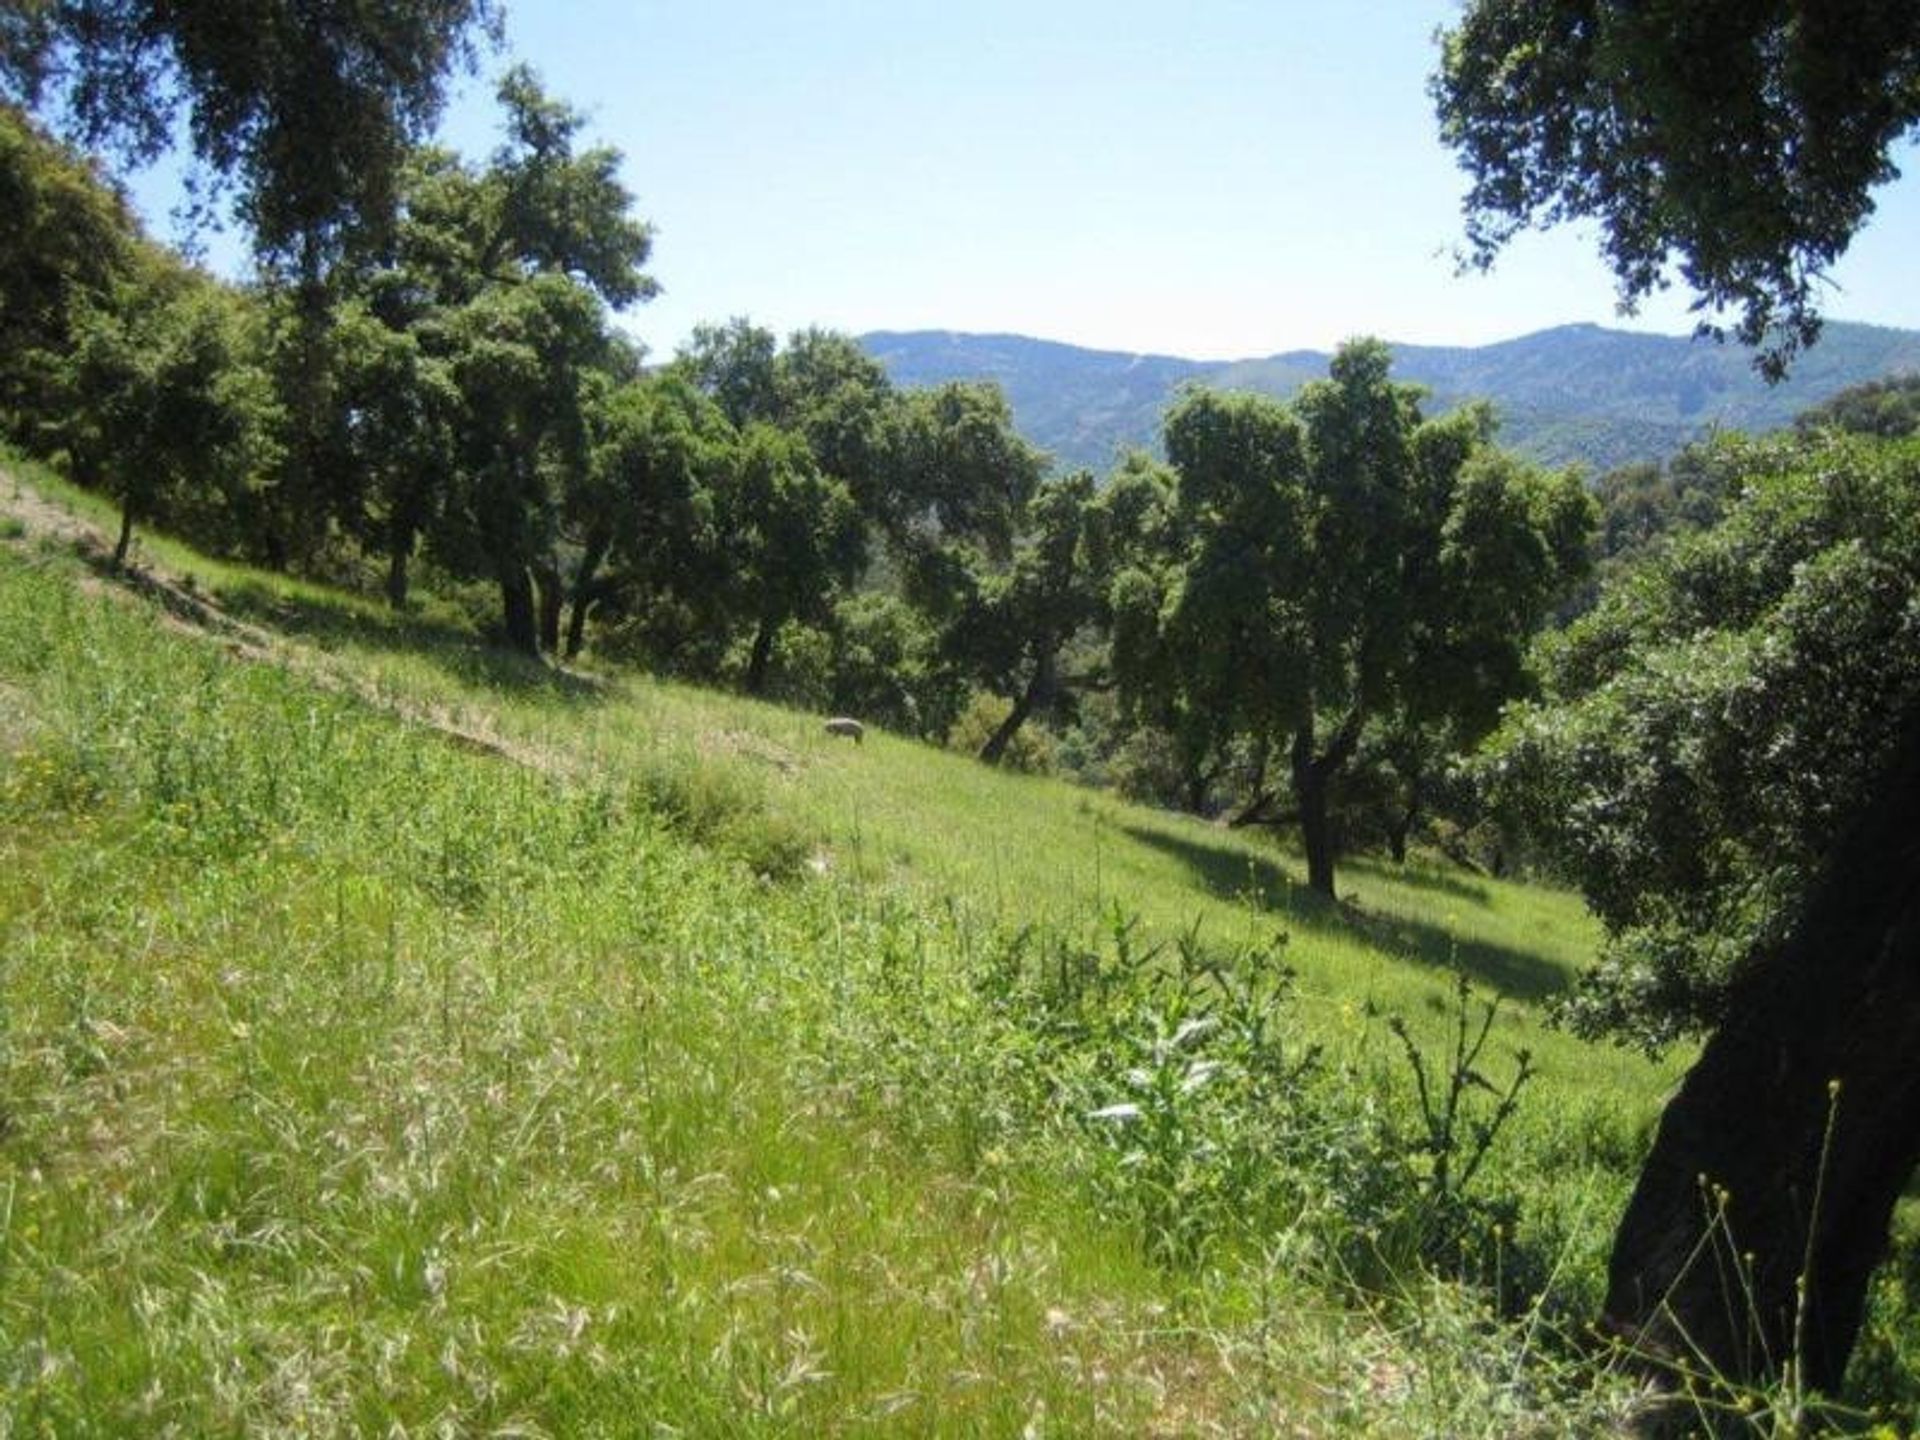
x=398, y=1038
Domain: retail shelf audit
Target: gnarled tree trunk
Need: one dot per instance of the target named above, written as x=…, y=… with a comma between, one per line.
x=760, y=657
x=585, y=589
x=1039, y=689
x=1791, y=1138
x=124, y=545
x=399, y=552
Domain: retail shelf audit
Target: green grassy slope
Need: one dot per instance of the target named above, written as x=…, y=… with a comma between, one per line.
x=395, y=1035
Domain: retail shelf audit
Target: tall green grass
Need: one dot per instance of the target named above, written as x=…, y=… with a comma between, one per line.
x=396, y=1037
x=352, y=1079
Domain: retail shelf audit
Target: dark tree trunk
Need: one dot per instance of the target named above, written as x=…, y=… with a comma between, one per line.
x=1401, y=826
x=1039, y=689
x=1260, y=806
x=1198, y=777
x=399, y=552
x=1312, y=790
x=1316, y=827
x=577, y=611
x=548, y=589
x=125, y=543
x=1198, y=781
x=1397, y=831
x=1802, y=1117
x=517, y=609
x=273, y=545
x=584, y=591
x=760, y=658
x=996, y=747
x=311, y=487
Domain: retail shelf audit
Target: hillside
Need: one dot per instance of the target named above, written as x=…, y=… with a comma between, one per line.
x=400, y=1034
x=1578, y=393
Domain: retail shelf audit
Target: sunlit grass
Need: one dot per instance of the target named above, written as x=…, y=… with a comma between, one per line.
x=640, y=1067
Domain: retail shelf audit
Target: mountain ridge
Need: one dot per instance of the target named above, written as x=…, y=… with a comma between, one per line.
x=1578, y=393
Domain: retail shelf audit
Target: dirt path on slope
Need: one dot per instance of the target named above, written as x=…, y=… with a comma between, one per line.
x=45, y=523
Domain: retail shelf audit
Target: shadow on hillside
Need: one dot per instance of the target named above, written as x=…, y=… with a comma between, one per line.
x=1415, y=877
x=453, y=648
x=1232, y=874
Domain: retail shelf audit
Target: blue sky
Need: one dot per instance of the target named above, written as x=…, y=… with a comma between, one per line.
x=1217, y=179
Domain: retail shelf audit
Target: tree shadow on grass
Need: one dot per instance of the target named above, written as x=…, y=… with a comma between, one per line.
x=1416, y=877
x=453, y=648
x=1232, y=874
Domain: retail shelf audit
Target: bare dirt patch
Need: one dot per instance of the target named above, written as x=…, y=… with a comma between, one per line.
x=753, y=747
x=42, y=520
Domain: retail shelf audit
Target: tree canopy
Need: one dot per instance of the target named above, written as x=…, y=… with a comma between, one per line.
x=1337, y=564
x=308, y=110
x=1707, y=731
x=1735, y=757
x=68, y=238
x=1737, y=142
x=1889, y=407
x=1719, y=758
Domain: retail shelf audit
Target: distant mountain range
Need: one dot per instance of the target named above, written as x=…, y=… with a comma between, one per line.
x=1575, y=393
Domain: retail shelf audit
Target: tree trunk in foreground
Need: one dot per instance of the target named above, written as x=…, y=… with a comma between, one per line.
x=577, y=613
x=1399, y=828
x=547, y=589
x=1802, y=1116
x=1316, y=828
x=399, y=552
x=585, y=591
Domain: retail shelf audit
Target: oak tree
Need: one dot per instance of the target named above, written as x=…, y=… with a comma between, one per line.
x=307, y=110
x=1715, y=741
x=1741, y=143
x=1342, y=563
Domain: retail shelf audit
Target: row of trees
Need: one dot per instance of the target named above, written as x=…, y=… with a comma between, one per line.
x=1299, y=582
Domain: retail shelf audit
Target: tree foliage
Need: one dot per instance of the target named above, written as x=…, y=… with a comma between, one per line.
x=1338, y=564
x=641, y=515
x=495, y=288
x=68, y=238
x=306, y=109
x=1709, y=728
x=1889, y=408
x=1734, y=757
x=1737, y=142
x=1725, y=758
x=793, y=537
x=1644, y=505
x=1006, y=625
x=159, y=395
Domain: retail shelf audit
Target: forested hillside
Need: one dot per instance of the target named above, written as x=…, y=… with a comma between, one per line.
x=1579, y=393
x=546, y=889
